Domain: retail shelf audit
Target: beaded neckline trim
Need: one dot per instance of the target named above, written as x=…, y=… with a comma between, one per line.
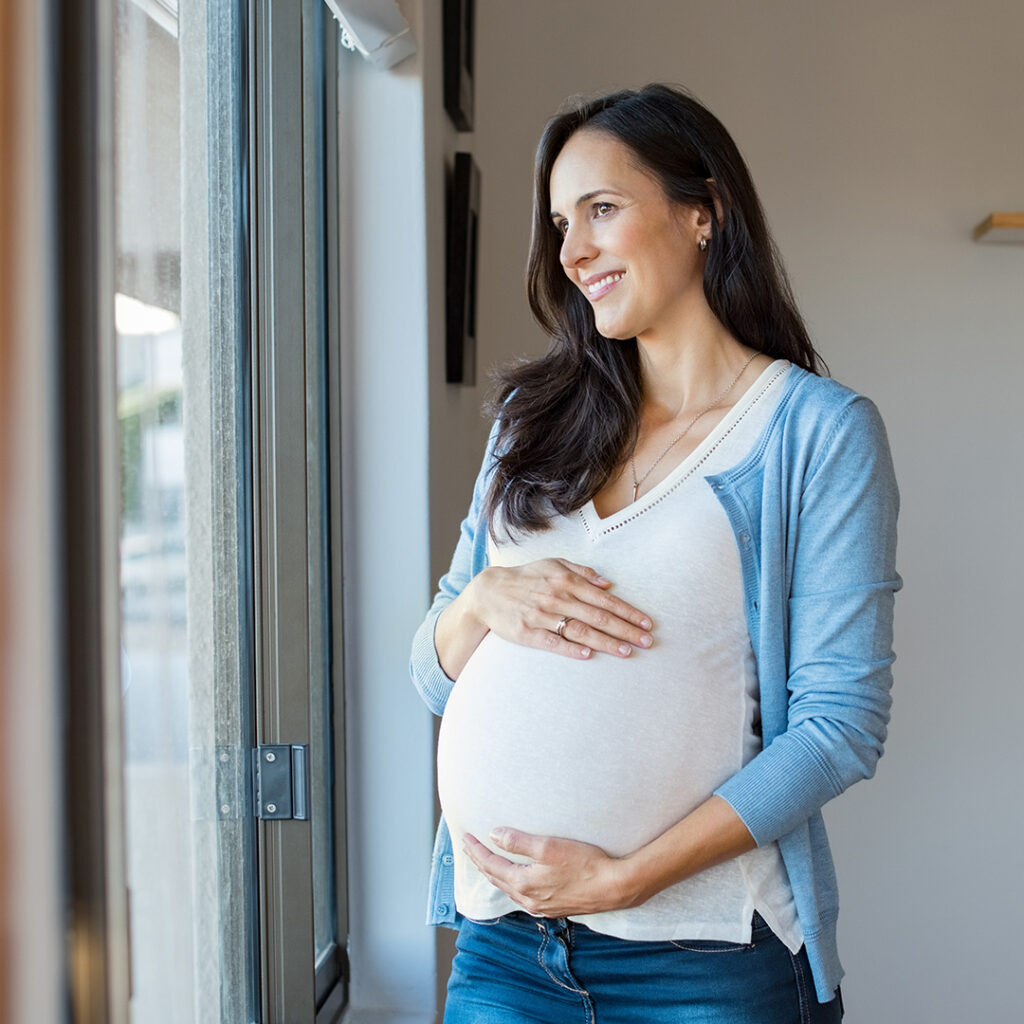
x=656, y=499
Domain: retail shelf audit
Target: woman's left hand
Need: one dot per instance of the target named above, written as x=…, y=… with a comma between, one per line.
x=565, y=876
x=570, y=877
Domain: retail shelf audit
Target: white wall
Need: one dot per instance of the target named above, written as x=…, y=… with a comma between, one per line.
x=879, y=134
x=389, y=738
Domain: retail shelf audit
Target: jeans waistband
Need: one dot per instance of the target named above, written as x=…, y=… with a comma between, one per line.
x=558, y=924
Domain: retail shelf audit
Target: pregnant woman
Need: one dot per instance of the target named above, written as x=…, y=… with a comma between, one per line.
x=664, y=641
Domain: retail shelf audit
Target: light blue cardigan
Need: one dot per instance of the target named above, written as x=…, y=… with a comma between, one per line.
x=813, y=508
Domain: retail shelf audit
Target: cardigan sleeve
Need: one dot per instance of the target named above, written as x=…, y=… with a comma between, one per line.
x=840, y=554
x=469, y=558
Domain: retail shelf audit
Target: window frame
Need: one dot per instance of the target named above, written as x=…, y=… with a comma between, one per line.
x=295, y=295
x=81, y=132
x=291, y=60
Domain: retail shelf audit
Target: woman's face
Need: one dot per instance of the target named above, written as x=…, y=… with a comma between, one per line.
x=629, y=249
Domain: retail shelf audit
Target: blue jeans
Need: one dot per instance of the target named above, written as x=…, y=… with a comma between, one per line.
x=519, y=969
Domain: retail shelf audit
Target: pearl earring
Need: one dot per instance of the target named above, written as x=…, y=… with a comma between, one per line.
x=703, y=245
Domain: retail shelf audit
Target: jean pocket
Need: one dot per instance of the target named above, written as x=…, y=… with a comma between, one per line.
x=711, y=946
x=486, y=922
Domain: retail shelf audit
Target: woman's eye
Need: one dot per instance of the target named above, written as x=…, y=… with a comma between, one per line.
x=562, y=227
x=602, y=209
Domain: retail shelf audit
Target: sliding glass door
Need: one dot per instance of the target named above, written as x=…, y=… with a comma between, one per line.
x=224, y=299
x=182, y=326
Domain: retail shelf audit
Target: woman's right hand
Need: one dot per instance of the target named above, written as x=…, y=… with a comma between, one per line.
x=526, y=603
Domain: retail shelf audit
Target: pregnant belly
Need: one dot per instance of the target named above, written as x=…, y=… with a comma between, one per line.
x=609, y=751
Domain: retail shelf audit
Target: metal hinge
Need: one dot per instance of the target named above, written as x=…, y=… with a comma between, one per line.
x=280, y=782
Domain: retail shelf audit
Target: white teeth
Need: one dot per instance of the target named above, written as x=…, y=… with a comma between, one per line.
x=604, y=282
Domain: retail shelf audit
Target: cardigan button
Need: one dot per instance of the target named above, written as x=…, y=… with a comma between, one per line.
x=744, y=538
x=447, y=859
x=442, y=909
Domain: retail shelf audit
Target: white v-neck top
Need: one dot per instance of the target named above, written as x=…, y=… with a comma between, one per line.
x=615, y=751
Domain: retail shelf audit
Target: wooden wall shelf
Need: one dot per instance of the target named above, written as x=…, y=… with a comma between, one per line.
x=1001, y=227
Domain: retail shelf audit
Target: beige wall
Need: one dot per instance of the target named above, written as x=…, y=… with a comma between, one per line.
x=8, y=89
x=31, y=915
x=879, y=134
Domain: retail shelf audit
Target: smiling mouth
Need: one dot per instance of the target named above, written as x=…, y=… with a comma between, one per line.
x=597, y=287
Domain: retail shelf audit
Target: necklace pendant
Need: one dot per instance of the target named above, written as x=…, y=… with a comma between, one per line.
x=686, y=429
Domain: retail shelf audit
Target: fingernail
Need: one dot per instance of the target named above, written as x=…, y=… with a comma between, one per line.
x=625, y=650
x=498, y=835
x=584, y=652
x=646, y=641
x=600, y=580
x=645, y=623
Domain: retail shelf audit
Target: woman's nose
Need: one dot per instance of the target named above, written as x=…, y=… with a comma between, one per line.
x=577, y=247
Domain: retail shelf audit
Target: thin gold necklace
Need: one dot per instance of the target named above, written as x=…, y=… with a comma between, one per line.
x=707, y=408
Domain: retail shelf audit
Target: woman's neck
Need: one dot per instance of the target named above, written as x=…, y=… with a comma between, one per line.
x=686, y=370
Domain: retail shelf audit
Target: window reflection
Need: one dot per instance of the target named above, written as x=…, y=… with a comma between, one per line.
x=152, y=530
x=183, y=644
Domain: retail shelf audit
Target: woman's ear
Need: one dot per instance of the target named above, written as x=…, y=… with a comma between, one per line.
x=696, y=220
x=699, y=217
x=713, y=187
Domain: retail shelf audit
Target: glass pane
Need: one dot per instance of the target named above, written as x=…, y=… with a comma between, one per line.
x=322, y=36
x=321, y=705
x=182, y=400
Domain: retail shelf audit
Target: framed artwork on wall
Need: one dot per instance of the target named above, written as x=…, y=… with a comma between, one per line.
x=463, y=217
x=458, y=62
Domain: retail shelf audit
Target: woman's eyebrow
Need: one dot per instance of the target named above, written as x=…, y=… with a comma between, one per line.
x=587, y=196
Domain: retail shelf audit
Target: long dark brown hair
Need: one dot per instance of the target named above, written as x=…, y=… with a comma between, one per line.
x=568, y=419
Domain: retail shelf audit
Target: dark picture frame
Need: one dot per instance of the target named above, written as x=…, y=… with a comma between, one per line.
x=463, y=219
x=459, y=19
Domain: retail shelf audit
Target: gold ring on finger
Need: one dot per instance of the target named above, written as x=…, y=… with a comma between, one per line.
x=562, y=623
